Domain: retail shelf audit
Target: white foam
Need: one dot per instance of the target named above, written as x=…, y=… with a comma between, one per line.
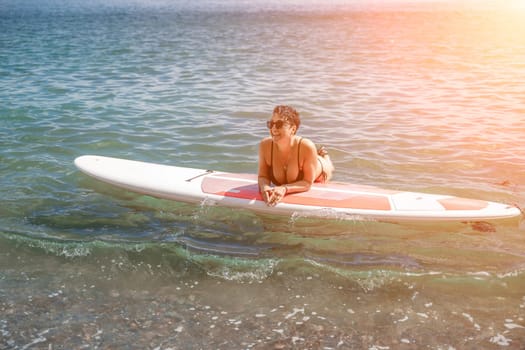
x=513, y=326
x=295, y=312
x=500, y=340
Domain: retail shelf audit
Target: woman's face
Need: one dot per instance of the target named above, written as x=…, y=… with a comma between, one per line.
x=280, y=127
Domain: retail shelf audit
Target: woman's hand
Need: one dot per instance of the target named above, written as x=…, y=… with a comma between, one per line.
x=273, y=195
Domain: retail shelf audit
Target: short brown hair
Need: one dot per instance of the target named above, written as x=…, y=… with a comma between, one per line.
x=289, y=114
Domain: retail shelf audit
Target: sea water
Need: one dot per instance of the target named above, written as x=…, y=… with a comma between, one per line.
x=421, y=96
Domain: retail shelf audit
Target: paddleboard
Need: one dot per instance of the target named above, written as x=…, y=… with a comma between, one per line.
x=340, y=200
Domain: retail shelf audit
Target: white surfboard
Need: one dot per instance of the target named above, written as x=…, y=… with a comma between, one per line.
x=341, y=200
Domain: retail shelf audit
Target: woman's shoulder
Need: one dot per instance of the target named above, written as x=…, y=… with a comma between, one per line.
x=266, y=143
x=307, y=143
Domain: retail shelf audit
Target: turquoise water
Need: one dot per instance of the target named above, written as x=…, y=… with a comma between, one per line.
x=415, y=96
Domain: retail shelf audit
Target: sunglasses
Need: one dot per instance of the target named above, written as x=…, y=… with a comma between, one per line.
x=278, y=124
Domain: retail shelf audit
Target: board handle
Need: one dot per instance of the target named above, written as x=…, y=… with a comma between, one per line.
x=196, y=177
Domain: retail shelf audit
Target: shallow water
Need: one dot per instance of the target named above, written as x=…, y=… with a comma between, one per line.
x=416, y=96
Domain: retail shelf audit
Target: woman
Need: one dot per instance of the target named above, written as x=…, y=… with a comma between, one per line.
x=290, y=162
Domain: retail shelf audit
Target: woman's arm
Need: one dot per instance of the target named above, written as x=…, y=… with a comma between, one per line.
x=263, y=174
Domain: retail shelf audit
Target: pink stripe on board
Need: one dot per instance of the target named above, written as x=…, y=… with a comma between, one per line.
x=455, y=203
x=232, y=185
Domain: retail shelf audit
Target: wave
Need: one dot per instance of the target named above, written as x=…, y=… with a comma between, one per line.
x=186, y=257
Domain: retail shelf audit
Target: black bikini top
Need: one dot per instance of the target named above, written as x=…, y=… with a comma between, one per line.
x=300, y=176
